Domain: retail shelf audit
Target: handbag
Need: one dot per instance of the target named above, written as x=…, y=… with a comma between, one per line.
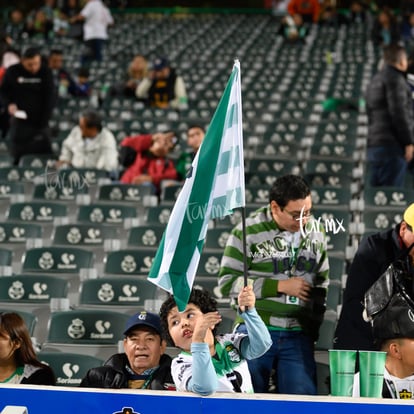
x=390, y=297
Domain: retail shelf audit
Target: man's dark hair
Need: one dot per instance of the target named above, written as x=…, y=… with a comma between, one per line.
x=393, y=54
x=92, y=119
x=30, y=52
x=83, y=72
x=196, y=126
x=287, y=188
x=198, y=297
x=56, y=51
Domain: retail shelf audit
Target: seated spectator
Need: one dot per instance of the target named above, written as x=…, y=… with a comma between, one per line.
x=70, y=9
x=209, y=362
x=89, y=145
x=64, y=83
x=357, y=12
x=83, y=86
x=18, y=361
x=407, y=31
x=143, y=365
x=308, y=9
x=145, y=157
x=137, y=71
x=293, y=29
x=38, y=25
x=164, y=88
x=385, y=30
x=15, y=26
x=195, y=136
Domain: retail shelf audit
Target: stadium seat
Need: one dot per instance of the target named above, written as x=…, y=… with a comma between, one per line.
x=145, y=236
x=158, y=214
x=209, y=264
x=126, y=193
x=170, y=193
x=69, y=368
x=216, y=240
x=54, y=259
x=59, y=192
x=106, y=213
x=387, y=198
x=86, y=331
x=125, y=293
x=36, y=211
x=128, y=262
x=29, y=318
x=36, y=160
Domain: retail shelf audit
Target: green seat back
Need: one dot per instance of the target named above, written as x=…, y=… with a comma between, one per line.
x=105, y=213
x=83, y=234
x=57, y=260
x=128, y=262
x=69, y=368
x=44, y=212
x=86, y=327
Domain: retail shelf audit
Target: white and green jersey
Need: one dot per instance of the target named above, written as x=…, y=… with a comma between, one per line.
x=231, y=368
x=273, y=255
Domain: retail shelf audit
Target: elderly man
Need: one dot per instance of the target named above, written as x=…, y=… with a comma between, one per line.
x=89, y=145
x=143, y=365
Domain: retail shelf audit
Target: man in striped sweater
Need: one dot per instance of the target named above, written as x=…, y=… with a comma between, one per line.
x=287, y=264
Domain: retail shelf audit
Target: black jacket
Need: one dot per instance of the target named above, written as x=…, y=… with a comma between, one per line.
x=38, y=375
x=374, y=255
x=389, y=109
x=32, y=93
x=114, y=375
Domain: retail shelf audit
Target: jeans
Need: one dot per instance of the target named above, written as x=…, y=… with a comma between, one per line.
x=291, y=356
x=387, y=165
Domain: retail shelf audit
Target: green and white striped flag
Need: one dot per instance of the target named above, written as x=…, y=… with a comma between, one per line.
x=212, y=189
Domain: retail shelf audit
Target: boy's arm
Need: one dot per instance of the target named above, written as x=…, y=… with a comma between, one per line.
x=204, y=378
x=258, y=340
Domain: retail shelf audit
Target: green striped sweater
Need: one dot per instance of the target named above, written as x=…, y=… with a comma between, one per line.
x=271, y=257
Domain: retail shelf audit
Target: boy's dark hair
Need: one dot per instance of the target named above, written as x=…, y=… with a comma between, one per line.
x=199, y=297
x=56, y=51
x=287, y=188
x=83, y=72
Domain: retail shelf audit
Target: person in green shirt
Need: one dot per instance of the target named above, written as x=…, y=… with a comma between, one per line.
x=195, y=136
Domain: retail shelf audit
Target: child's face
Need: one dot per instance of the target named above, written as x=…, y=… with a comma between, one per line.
x=181, y=325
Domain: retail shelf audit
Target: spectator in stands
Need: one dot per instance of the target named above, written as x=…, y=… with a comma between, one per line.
x=137, y=72
x=385, y=30
x=358, y=12
x=63, y=81
x=390, y=120
x=89, y=145
x=71, y=9
x=210, y=362
x=143, y=365
x=293, y=29
x=195, y=136
x=393, y=330
x=96, y=18
x=289, y=270
x=308, y=9
x=18, y=361
x=145, y=159
x=164, y=88
x=29, y=94
x=408, y=33
x=83, y=86
x=375, y=253
x=15, y=26
x=38, y=24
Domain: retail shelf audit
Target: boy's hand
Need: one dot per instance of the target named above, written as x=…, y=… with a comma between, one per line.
x=208, y=320
x=246, y=299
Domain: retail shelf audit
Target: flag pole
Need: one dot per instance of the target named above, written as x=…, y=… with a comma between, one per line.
x=243, y=214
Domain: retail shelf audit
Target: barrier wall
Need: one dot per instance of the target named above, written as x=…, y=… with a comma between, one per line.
x=62, y=400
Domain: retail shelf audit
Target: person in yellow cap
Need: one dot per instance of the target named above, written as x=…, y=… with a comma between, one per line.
x=375, y=253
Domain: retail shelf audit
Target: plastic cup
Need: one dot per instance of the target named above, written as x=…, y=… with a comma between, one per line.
x=371, y=375
x=342, y=371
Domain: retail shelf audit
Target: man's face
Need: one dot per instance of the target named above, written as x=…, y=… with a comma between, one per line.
x=407, y=236
x=143, y=348
x=55, y=61
x=195, y=137
x=295, y=214
x=33, y=64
